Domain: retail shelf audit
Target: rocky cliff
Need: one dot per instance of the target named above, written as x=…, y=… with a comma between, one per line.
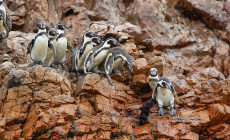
x=187, y=40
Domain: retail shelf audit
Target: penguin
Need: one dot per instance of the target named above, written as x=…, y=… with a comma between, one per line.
x=62, y=45
x=165, y=93
x=115, y=60
x=82, y=50
x=96, y=56
x=39, y=45
x=50, y=54
x=96, y=40
x=5, y=21
x=153, y=77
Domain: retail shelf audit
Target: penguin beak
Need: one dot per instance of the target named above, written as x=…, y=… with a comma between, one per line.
x=99, y=40
x=131, y=68
x=117, y=43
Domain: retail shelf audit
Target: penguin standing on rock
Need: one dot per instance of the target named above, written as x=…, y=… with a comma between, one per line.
x=153, y=77
x=164, y=93
x=62, y=45
x=115, y=60
x=82, y=50
x=5, y=22
x=50, y=54
x=39, y=45
x=96, y=56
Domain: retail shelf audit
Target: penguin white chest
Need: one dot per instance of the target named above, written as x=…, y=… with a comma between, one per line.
x=99, y=58
x=39, y=50
x=164, y=96
x=118, y=63
x=61, y=50
x=153, y=81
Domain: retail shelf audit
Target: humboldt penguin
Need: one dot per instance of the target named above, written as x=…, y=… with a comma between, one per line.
x=98, y=54
x=39, y=45
x=82, y=50
x=62, y=45
x=5, y=22
x=96, y=40
x=115, y=60
x=164, y=93
x=50, y=54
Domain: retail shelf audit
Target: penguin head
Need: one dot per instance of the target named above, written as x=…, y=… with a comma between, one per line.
x=164, y=83
x=112, y=41
x=89, y=34
x=1, y=2
x=52, y=32
x=153, y=72
x=129, y=63
x=96, y=40
x=42, y=25
x=130, y=66
x=62, y=26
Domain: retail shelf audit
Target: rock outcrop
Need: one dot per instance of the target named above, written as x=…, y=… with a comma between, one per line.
x=186, y=40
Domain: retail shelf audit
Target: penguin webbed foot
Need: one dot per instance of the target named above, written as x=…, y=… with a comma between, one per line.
x=161, y=111
x=32, y=63
x=172, y=111
x=63, y=67
x=54, y=66
x=1, y=36
x=43, y=64
x=111, y=82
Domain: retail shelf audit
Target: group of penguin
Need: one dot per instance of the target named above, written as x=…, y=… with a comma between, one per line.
x=49, y=49
x=163, y=92
x=92, y=54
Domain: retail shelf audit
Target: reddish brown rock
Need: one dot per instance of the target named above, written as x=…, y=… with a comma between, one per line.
x=190, y=136
x=140, y=66
x=144, y=129
x=217, y=113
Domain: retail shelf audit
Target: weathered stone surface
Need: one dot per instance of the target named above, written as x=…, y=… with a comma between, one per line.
x=186, y=40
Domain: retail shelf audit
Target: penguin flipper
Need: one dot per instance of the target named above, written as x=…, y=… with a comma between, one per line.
x=88, y=62
x=52, y=47
x=109, y=67
x=175, y=94
x=29, y=45
x=70, y=48
x=145, y=108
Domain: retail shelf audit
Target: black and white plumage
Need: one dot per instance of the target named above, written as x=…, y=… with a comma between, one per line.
x=115, y=60
x=5, y=22
x=50, y=54
x=98, y=54
x=153, y=77
x=62, y=45
x=96, y=40
x=39, y=45
x=82, y=50
x=164, y=93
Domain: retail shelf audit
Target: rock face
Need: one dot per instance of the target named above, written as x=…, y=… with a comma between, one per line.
x=186, y=40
